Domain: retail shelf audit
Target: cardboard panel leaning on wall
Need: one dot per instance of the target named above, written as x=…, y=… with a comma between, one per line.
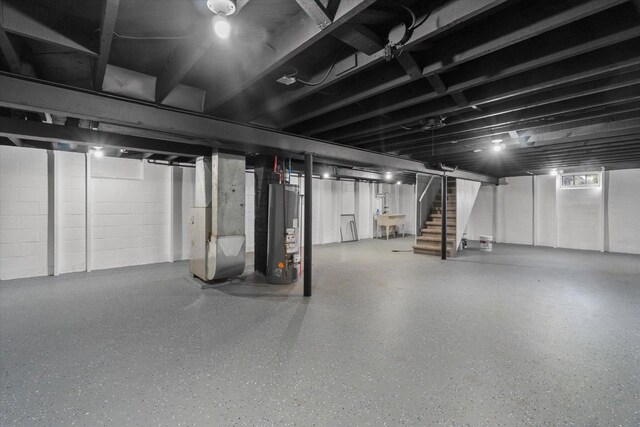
x=623, y=225
x=23, y=212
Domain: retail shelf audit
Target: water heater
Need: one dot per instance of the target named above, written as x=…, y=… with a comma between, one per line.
x=283, y=245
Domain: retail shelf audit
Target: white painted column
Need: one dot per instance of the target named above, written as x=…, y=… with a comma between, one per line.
x=534, y=228
x=603, y=209
x=557, y=211
x=53, y=245
x=88, y=210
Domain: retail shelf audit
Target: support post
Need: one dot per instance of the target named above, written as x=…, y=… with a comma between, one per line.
x=308, y=222
x=443, y=198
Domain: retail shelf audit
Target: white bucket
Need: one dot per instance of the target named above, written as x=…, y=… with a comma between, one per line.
x=486, y=243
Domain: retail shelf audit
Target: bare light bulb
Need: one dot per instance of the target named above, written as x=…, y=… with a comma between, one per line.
x=553, y=172
x=497, y=148
x=399, y=182
x=221, y=26
x=325, y=175
x=98, y=153
x=388, y=175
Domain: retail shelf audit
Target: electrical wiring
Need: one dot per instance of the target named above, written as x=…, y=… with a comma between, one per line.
x=122, y=36
x=333, y=64
x=413, y=15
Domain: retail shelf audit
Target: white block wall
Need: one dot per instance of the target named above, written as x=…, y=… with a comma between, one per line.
x=545, y=211
x=130, y=217
x=623, y=225
x=481, y=218
x=23, y=212
x=70, y=169
x=514, y=214
x=138, y=212
x=584, y=218
x=579, y=217
x=466, y=195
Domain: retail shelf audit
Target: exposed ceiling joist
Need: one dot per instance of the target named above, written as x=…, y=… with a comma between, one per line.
x=21, y=93
x=459, y=98
x=442, y=19
x=9, y=54
x=540, y=80
x=360, y=38
x=183, y=58
x=300, y=34
x=366, y=88
x=187, y=53
x=590, y=133
x=542, y=103
x=16, y=22
x=316, y=12
x=484, y=49
x=109, y=15
x=515, y=130
x=527, y=32
x=409, y=64
x=437, y=83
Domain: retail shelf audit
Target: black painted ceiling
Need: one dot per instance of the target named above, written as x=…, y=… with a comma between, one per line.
x=556, y=82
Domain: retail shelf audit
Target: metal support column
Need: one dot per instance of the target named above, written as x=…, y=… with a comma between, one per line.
x=443, y=198
x=308, y=222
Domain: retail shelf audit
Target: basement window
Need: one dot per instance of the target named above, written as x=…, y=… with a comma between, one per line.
x=581, y=180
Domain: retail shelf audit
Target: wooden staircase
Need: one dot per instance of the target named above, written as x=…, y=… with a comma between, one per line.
x=429, y=242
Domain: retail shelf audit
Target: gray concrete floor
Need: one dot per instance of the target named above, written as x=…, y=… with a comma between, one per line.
x=520, y=336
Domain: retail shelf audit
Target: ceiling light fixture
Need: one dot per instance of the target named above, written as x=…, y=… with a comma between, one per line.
x=553, y=172
x=222, y=9
x=97, y=151
x=325, y=175
x=388, y=175
x=399, y=182
x=221, y=26
x=477, y=150
x=497, y=148
x=496, y=141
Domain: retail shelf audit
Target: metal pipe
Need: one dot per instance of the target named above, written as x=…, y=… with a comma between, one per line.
x=443, y=247
x=308, y=222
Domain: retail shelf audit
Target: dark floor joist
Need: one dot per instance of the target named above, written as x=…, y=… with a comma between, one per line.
x=293, y=39
x=619, y=57
x=109, y=15
x=316, y=12
x=17, y=22
x=441, y=20
x=9, y=55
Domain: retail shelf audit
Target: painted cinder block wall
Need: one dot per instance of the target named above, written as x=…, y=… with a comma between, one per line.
x=604, y=218
x=23, y=212
x=136, y=212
